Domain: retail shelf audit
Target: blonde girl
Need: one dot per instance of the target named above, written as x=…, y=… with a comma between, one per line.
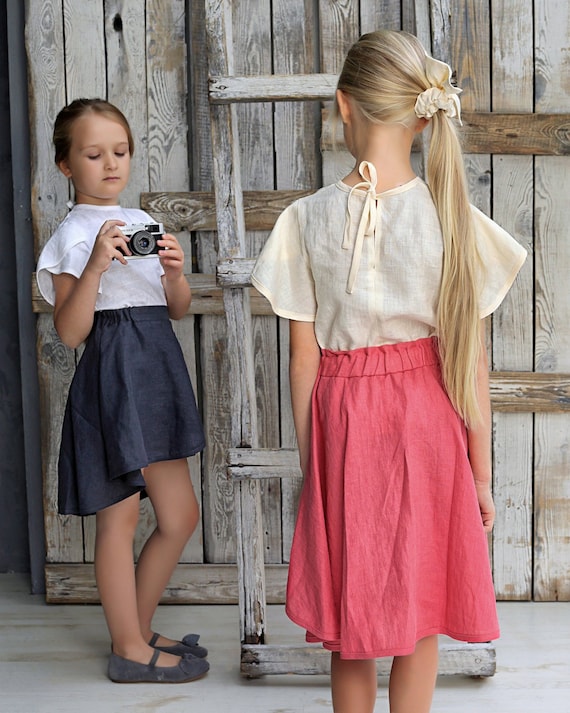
x=386, y=281
x=131, y=419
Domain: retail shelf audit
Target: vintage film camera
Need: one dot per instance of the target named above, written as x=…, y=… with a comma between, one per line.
x=143, y=238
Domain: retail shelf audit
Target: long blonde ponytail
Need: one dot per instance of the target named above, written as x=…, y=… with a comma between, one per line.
x=458, y=306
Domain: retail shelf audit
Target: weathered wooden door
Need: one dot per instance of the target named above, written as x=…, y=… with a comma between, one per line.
x=148, y=57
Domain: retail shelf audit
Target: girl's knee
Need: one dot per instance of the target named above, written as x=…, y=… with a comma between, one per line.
x=180, y=523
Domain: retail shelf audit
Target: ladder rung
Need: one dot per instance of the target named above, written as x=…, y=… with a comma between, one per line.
x=235, y=272
x=261, y=463
x=272, y=87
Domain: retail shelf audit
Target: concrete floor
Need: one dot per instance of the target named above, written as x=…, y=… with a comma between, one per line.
x=53, y=660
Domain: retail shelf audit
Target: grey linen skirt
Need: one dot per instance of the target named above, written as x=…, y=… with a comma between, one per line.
x=130, y=404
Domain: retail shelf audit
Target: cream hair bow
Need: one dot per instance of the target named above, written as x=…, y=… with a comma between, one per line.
x=442, y=95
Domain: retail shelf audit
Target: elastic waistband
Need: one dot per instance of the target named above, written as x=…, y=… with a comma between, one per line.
x=132, y=314
x=386, y=359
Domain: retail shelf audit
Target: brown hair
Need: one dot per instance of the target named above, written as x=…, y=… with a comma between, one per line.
x=384, y=72
x=78, y=108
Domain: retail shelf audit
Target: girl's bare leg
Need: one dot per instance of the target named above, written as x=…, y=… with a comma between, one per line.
x=412, y=680
x=353, y=685
x=115, y=575
x=170, y=490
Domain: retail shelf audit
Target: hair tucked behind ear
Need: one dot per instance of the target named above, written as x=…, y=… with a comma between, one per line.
x=384, y=72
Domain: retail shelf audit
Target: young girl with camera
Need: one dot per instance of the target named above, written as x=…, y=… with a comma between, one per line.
x=386, y=283
x=131, y=418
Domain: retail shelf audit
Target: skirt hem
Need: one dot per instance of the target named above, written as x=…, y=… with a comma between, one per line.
x=332, y=643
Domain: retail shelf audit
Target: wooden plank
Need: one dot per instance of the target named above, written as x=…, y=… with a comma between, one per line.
x=522, y=392
x=552, y=317
x=125, y=48
x=338, y=30
x=252, y=29
x=512, y=90
x=231, y=239
x=197, y=210
x=298, y=160
x=272, y=87
x=85, y=72
x=235, y=272
x=50, y=192
x=189, y=584
x=285, y=457
x=218, y=528
x=521, y=134
x=497, y=132
x=454, y=659
x=384, y=14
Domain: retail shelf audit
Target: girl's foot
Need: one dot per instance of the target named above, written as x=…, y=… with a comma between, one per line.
x=121, y=670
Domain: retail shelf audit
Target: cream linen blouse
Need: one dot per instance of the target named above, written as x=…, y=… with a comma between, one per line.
x=366, y=267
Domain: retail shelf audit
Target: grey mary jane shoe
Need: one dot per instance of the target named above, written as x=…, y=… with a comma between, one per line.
x=187, y=647
x=122, y=670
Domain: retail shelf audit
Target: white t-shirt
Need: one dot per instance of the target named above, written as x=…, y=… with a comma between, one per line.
x=136, y=284
x=366, y=267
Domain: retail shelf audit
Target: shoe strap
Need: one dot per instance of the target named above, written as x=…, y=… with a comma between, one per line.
x=154, y=658
x=153, y=639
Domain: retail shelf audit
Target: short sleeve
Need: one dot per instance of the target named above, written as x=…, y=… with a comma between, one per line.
x=502, y=258
x=55, y=259
x=282, y=272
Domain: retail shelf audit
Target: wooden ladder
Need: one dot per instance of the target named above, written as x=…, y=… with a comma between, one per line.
x=247, y=463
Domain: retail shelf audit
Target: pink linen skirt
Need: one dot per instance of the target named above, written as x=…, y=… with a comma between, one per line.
x=389, y=545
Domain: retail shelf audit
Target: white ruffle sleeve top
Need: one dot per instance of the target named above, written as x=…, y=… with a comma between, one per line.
x=366, y=267
x=136, y=284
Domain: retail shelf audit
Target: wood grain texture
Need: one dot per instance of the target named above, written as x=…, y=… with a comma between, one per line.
x=50, y=192
x=218, y=493
x=272, y=87
x=465, y=659
x=384, y=14
x=513, y=184
x=552, y=315
x=297, y=156
x=125, y=47
x=197, y=211
x=231, y=243
x=189, y=584
x=252, y=24
x=85, y=71
x=551, y=502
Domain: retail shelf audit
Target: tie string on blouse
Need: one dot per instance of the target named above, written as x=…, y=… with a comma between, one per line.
x=367, y=223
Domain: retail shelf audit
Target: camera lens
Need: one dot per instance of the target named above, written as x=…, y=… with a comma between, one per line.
x=142, y=243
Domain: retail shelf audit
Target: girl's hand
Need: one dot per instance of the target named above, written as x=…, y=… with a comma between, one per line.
x=110, y=244
x=486, y=504
x=171, y=257
x=176, y=287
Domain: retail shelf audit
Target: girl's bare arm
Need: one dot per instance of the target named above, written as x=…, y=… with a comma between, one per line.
x=75, y=298
x=305, y=357
x=479, y=442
